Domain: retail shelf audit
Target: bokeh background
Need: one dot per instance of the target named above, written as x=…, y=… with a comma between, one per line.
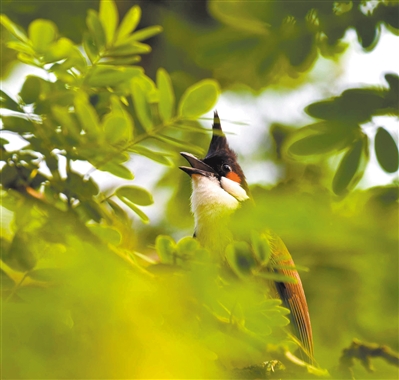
x=77, y=303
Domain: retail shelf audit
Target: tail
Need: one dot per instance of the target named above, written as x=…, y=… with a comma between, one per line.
x=293, y=297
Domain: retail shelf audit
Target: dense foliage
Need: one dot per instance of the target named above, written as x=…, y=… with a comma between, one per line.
x=91, y=288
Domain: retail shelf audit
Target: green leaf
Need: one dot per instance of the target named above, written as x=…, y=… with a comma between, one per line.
x=14, y=29
x=144, y=218
x=3, y=141
x=117, y=170
x=96, y=29
x=178, y=143
x=124, y=61
x=7, y=102
x=45, y=274
x=67, y=122
x=129, y=22
x=141, y=105
x=9, y=175
x=105, y=75
x=386, y=151
x=187, y=245
x=21, y=47
x=42, y=33
x=166, y=248
x=31, y=89
x=145, y=33
x=17, y=124
x=116, y=129
x=320, y=143
x=345, y=178
x=87, y=115
x=61, y=49
x=260, y=247
x=90, y=47
x=199, y=98
x=152, y=155
x=239, y=258
x=135, y=194
x=128, y=48
x=108, y=234
x=109, y=18
x=166, y=95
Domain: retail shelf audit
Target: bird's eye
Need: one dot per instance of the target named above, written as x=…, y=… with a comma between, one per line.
x=227, y=168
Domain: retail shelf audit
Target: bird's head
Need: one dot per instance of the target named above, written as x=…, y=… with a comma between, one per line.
x=218, y=180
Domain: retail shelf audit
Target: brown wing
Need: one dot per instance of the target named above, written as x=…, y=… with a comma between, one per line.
x=293, y=297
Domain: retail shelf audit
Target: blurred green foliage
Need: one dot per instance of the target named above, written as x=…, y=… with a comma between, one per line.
x=87, y=292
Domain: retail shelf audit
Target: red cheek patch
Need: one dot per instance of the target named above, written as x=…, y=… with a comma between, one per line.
x=234, y=177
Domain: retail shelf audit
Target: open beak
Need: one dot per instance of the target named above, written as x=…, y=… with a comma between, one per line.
x=197, y=166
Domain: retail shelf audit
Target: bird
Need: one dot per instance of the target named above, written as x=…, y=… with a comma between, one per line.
x=219, y=188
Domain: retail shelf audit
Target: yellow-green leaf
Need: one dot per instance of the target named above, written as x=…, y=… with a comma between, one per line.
x=129, y=22
x=14, y=29
x=117, y=170
x=145, y=33
x=135, y=194
x=109, y=18
x=42, y=33
x=166, y=95
x=141, y=105
x=199, y=98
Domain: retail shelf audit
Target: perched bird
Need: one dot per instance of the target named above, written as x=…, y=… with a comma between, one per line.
x=219, y=188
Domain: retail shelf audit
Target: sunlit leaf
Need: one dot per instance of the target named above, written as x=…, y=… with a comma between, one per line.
x=345, y=178
x=166, y=248
x=141, y=105
x=166, y=95
x=386, y=151
x=42, y=33
x=199, y=98
x=109, y=18
x=128, y=48
x=14, y=29
x=146, y=33
x=129, y=22
x=135, y=194
x=117, y=170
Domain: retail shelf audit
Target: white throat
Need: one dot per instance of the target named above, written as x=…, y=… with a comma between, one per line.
x=212, y=206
